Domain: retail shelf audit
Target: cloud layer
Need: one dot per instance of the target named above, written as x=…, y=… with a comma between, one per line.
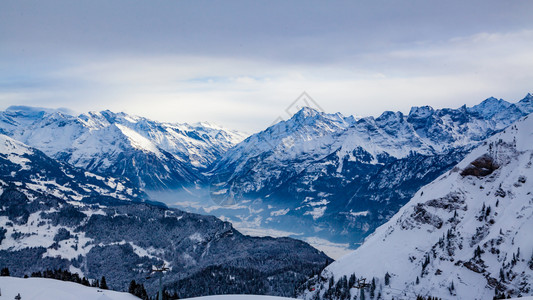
x=241, y=63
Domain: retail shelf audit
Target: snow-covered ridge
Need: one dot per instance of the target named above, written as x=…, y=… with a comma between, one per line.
x=118, y=144
x=27, y=167
x=462, y=236
x=424, y=130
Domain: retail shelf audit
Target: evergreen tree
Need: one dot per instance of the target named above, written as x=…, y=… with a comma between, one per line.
x=132, y=287
x=18, y=297
x=351, y=282
x=4, y=272
x=387, y=278
x=372, y=288
x=103, y=284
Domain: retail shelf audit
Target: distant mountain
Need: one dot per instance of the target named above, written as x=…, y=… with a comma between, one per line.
x=152, y=155
x=53, y=216
x=341, y=177
x=466, y=235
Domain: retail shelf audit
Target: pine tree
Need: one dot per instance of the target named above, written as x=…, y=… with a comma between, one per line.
x=4, y=272
x=331, y=281
x=372, y=288
x=417, y=280
x=18, y=297
x=387, y=278
x=351, y=281
x=132, y=287
x=103, y=284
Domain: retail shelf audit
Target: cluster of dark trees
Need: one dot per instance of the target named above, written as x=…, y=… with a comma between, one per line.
x=340, y=290
x=138, y=290
x=65, y=275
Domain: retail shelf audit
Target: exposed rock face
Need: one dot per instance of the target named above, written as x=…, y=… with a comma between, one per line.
x=482, y=166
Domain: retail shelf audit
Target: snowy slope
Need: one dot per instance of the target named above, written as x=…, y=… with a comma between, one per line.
x=152, y=154
x=50, y=289
x=432, y=243
x=24, y=166
x=239, y=297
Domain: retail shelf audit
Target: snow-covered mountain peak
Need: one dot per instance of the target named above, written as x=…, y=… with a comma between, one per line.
x=421, y=112
x=389, y=118
x=489, y=107
x=526, y=104
x=306, y=112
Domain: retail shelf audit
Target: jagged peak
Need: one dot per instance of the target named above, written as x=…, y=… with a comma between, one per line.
x=306, y=112
x=527, y=98
x=421, y=111
x=390, y=114
x=492, y=101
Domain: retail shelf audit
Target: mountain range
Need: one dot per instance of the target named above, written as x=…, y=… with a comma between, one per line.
x=340, y=177
x=314, y=175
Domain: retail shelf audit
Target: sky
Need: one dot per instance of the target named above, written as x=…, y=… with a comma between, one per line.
x=241, y=64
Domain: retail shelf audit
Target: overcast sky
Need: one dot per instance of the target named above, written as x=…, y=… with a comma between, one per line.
x=241, y=63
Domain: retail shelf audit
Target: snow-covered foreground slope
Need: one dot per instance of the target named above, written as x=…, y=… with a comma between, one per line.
x=467, y=235
x=239, y=297
x=51, y=289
